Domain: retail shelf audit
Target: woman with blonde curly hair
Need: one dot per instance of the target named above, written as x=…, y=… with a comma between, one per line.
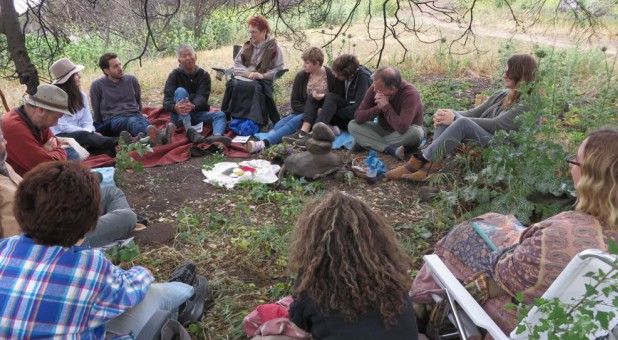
x=352, y=274
x=535, y=257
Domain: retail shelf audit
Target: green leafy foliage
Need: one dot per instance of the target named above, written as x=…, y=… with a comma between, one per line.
x=126, y=162
x=124, y=254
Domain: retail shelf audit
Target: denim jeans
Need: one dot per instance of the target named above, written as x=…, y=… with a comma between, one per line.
x=215, y=118
x=286, y=126
x=72, y=155
x=166, y=296
x=134, y=123
x=447, y=137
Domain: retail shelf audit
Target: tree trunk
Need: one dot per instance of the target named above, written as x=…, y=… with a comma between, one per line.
x=9, y=26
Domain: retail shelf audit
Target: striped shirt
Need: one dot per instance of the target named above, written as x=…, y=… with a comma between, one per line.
x=62, y=293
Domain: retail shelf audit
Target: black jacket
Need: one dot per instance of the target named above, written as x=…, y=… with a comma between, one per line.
x=299, y=89
x=197, y=84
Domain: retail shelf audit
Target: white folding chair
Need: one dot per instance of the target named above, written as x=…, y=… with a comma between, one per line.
x=569, y=285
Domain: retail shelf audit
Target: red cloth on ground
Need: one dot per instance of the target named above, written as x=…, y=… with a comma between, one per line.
x=171, y=153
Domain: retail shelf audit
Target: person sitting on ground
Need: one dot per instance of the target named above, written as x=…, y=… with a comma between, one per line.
x=397, y=106
x=337, y=108
x=117, y=104
x=314, y=81
x=257, y=64
x=186, y=94
x=74, y=291
x=478, y=125
x=80, y=125
x=39, y=112
x=352, y=274
x=541, y=251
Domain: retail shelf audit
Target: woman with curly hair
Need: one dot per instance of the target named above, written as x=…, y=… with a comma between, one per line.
x=352, y=273
x=477, y=125
x=532, y=259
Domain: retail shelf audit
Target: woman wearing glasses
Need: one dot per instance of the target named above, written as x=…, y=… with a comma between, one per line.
x=477, y=125
x=536, y=254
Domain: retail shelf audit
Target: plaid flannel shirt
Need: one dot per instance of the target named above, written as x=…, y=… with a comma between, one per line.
x=64, y=293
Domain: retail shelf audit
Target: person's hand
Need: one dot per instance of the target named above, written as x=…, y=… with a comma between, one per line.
x=255, y=75
x=318, y=96
x=443, y=117
x=381, y=100
x=51, y=144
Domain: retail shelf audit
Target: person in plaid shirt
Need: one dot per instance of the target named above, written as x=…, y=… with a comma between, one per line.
x=50, y=286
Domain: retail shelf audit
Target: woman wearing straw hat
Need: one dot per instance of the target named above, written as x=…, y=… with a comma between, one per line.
x=80, y=125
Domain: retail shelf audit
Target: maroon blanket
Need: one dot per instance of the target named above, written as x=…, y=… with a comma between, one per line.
x=178, y=151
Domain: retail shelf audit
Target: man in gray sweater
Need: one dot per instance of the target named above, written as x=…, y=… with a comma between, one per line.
x=116, y=100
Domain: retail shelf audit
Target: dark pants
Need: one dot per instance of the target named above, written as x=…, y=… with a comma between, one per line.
x=331, y=111
x=94, y=143
x=250, y=100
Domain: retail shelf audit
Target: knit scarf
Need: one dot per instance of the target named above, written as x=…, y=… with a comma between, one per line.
x=270, y=50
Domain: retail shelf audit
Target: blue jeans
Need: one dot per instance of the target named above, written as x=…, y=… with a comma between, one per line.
x=134, y=123
x=166, y=296
x=286, y=126
x=72, y=155
x=215, y=118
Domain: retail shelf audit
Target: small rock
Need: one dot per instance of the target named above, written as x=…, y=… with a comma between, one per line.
x=427, y=193
x=322, y=132
x=319, y=146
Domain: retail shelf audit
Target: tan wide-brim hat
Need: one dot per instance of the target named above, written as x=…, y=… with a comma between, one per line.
x=51, y=98
x=63, y=69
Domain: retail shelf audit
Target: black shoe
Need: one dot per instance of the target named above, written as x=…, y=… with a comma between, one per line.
x=192, y=310
x=184, y=273
x=290, y=139
x=218, y=139
x=302, y=141
x=194, y=136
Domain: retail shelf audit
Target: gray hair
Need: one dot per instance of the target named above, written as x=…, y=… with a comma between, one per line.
x=390, y=76
x=184, y=47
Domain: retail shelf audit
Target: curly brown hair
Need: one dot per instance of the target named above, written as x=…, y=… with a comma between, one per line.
x=348, y=259
x=57, y=203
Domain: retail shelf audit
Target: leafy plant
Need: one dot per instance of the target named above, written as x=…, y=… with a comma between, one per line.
x=210, y=161
x=278, y=152
x=126, y=162
x=123, y=254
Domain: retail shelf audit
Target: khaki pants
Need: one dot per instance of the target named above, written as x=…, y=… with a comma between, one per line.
x=372, y=136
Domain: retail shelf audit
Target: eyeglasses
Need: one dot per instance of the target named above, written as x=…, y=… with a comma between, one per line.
x=572, y=159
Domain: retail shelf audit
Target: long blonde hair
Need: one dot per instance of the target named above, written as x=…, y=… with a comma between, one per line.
x=348, y=259
x=597, y=190
x=521, y=68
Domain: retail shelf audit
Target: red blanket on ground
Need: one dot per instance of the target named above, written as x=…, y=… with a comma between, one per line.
x=178, y=151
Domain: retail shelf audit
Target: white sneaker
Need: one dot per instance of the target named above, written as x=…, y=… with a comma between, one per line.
x=335, y=129
x=255, y=147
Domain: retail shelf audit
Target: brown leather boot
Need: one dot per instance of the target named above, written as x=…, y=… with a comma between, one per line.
x=425, y=173
x=413, y=164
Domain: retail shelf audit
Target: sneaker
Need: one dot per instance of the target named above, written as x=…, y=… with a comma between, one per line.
x=425, y=173
x=218, y=139
x=155, y=136
x=192, y=310
x=126, y=137
x=294, y=137
x=255, y=147
x=184, y=273
x=170, y=129
x=336, y=130
x=302, y=141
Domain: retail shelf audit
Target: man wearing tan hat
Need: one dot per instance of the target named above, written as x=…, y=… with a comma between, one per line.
x=26, y=129
x=80, y=126
x=27, y=142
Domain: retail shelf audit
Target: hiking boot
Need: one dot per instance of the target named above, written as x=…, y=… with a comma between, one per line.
x=294, y=137
x=170, y=129
x=192, y=310
x=194, y=136
x=425, y=173
x=302, y=141
x=218, y=139
x=396, y=151
x=255, y=147
x=126, y=137
x=185, y=273
x=155, y=136
x=411, y=166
